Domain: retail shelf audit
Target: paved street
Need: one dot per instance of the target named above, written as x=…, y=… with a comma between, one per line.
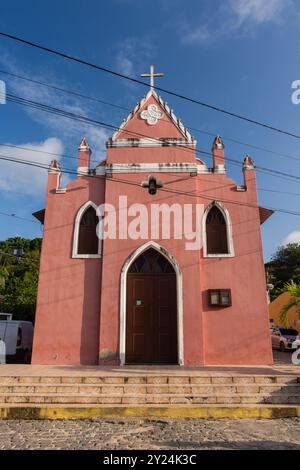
x=151, y=434
x=282, y=358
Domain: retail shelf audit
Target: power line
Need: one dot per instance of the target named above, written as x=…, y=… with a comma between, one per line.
x=279, y=192
x=255, y=147
x=140, y=82
x=18, y=217
x=80, y=118
x=107, y=103
x=164, y=189
x=260, y=168
x=71, y=92
x=230, y=161
x=265, y=170
x=46, y=167
x=31, y=149
x=66, y=114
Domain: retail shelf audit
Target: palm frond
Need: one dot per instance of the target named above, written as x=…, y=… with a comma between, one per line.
x=285, y=310
x=294, y=290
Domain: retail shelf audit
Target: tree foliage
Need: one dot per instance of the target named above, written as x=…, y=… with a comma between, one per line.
x=284, y=268
x=19, y=277
x=294, y=291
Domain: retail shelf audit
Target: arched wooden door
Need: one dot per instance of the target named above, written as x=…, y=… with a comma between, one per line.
x=151, y=311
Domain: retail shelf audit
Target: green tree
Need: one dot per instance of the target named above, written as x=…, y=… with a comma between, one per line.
x=284, y=267
x=294, y=291
x=19, y=277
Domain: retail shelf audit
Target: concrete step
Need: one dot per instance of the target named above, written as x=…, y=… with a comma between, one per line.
x=148, y=399
x=150, y=390
x=154, y=379
x=144, y=389
x=55, y=392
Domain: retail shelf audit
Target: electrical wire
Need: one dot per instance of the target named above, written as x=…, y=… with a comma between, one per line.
x=123, y=108
x=132, y=183
x=140, y=82
x=67, y=114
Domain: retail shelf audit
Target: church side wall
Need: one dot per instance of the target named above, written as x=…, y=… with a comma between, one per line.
x=238, y=334
x=67, y=315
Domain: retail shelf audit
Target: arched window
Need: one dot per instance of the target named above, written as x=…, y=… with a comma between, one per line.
x=87, y=239
x=86, y=242
x=151, y=262
x=216, y=229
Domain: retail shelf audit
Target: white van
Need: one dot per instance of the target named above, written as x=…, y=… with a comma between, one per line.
x=18, y=336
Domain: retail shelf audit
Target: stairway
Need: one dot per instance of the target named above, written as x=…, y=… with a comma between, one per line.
x=150, y=389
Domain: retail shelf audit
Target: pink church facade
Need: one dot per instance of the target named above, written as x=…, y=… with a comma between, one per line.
x=152, y=299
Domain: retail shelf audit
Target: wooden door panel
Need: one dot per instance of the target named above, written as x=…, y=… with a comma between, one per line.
x=151, y=319
x=165, y=319
x=138, y=318
x=138, y=346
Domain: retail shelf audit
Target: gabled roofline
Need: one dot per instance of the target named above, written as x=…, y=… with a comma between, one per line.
x=176, y=121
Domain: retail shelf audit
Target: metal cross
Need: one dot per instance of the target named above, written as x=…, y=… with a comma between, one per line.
x=152, y=75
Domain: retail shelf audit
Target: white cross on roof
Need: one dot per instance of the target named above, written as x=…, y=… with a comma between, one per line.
x=152, y=75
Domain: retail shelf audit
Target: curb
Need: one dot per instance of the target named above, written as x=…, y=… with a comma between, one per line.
x=69, y=413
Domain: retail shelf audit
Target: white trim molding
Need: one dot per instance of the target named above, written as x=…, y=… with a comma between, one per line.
x=163, y=104
x=220, y=169
x=123, y=298
x=82, y=170
x=178, y=167
x=101, y=170
x=226, y=216
x=79, y=215
x=150, y=142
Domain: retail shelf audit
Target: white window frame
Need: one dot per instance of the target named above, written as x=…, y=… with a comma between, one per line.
x=79, y=215
x=226, y=216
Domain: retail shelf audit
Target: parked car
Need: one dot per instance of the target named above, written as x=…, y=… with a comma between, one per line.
x=283, y=338
x=18, y=337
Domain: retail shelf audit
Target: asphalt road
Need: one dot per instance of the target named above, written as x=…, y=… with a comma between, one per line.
x=282, y=358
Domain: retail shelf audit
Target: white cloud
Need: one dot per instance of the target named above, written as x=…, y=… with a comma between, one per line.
x=293, y=237
x=258, y=11
x=16, y=177
x=134, y=54
x=68, y=129
x=197, y=35
x=124, y=63
x=238, y=16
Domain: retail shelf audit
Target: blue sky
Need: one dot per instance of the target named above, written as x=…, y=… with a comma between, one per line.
x=242, y=55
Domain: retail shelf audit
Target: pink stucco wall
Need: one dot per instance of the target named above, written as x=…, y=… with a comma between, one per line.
x=138, y=128
x=67, y=315
x=238, y=334
x=116, y=252
x=78, y=310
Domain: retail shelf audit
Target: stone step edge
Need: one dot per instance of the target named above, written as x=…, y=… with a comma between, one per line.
x=135, y=391
x=145, y=379
x=150, y=405
x=282, y=385
x=215, y=411
x=132, y=394
x=164, y=403
x=135, y=402
x=136, y=399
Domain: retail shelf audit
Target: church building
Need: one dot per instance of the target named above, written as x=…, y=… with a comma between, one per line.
x=152, y=257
